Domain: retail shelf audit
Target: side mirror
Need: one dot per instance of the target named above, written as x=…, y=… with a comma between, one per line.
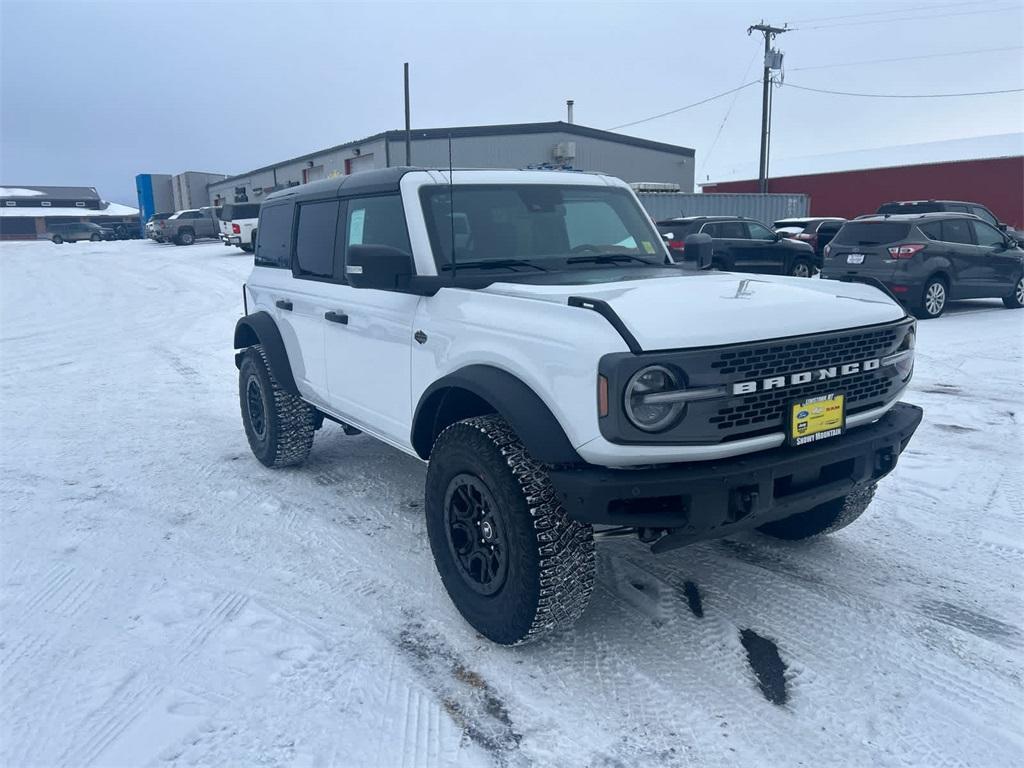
x=378, y=266
x=699, y=248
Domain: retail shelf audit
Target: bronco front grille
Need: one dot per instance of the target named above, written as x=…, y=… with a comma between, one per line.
x=764, y=411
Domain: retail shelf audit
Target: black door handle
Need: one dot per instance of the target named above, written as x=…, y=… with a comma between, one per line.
x=283, y=304
x=336, y=317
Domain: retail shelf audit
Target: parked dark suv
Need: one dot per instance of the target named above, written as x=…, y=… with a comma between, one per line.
x=79, y=230
x=741, y=245
x=951, y=206
x=927, y=259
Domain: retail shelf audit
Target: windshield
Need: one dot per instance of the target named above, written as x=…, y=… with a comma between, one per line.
x=533, y=227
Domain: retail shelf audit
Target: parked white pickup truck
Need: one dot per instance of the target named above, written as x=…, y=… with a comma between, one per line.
x=238, y=224
x=527, y=334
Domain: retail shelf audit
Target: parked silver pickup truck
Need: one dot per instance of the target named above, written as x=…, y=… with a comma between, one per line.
x=185, y=227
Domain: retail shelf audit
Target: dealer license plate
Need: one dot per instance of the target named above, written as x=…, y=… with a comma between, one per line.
x=817, y=418
x=855, y=258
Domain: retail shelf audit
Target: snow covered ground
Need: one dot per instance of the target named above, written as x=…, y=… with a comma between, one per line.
x=166, y=600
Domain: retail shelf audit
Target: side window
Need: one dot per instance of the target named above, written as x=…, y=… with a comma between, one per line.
x=932, y=231
x=984, y=215
x=733, y=230
x=377, y=221
x=957, y=208
x=273, y=247
x=759, y=232
x=957, y=231
x=986, y=235
x=314, y=239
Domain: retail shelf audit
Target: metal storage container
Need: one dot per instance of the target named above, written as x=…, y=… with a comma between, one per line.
x=765, y=208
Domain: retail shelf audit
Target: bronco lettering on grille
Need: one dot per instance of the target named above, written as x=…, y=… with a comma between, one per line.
x=805, y=377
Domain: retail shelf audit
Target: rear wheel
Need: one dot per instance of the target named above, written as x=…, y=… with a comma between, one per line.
x=278, y=424
x=514, y=564
x=95, y=238
x=1016, y=299
x=824, y=518
x=802, y=268
x=185, y=237
x=933, y=299
x=57, y=239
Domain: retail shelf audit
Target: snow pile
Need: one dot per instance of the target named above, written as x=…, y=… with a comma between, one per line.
x=166, y=600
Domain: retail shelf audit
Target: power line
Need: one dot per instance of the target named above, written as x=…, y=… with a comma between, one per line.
x=925, y=17
x=908, y=58
x=707, y=155
x=891, y=10
x=901, y=95
x=688, y=106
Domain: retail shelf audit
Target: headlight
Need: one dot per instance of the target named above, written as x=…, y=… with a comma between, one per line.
x=903, y=358
x=643, y=406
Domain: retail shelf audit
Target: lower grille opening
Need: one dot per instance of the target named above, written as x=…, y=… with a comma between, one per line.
x=647, y=505
x=830, y=473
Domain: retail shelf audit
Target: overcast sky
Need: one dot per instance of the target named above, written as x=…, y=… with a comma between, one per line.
x=94, y=93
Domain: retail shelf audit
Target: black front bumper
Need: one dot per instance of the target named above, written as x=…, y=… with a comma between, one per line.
x=710, y=499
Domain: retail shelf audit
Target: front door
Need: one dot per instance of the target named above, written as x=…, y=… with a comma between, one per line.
x=1002, y=263
x=368, y=347
x=770, y=251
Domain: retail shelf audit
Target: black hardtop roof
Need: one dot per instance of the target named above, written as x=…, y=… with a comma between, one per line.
x=380, y=181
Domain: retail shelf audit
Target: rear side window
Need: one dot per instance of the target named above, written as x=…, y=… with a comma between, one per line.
x=273, y=245
x=235, y=211
x=314, y=239
x=377, y=221
x=871, y=233
x=932, y=231
x=957, y=231
x=731, y=230
x=910, y=208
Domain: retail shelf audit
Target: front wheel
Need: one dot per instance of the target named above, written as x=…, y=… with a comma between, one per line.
x=278, y=424
x=802, y=268
x=57, y=239
x=933, y=299
x=828, y=517
x=514, y=564
x=1016, y=299
x=95, y=238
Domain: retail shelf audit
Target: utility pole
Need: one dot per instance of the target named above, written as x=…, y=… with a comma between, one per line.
x=770, y=62
x=408, y=128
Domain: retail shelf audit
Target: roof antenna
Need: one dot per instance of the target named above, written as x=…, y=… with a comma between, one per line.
x=451, y=202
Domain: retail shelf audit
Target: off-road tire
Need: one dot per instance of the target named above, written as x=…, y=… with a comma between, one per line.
x=57, y=239
x=925, y=308
x=825, y=518
x=802, y=268
x=1016, y=298
x=288, y=422
x=550, y=562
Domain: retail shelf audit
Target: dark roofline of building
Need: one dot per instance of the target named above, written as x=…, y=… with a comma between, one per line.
x=509, y=129
x=52, y=193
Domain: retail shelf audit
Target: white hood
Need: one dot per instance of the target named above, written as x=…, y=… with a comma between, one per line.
x=711, y=308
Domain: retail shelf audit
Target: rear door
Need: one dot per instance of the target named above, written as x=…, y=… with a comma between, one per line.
x=732, y=246
x=368, y=355
x=1003, y=264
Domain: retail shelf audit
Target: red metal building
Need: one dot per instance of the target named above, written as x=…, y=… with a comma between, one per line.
x=997, y=183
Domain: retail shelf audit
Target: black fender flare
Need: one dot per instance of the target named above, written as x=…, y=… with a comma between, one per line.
x=260, y=328
x=532, y=420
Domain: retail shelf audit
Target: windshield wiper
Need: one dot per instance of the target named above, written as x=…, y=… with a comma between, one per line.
x=491, y=264
x=607, y=258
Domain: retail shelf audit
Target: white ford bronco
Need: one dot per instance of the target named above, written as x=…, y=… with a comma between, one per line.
x=527, y=334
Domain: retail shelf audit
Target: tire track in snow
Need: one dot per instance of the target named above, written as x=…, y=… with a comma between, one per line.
x=226, y=609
